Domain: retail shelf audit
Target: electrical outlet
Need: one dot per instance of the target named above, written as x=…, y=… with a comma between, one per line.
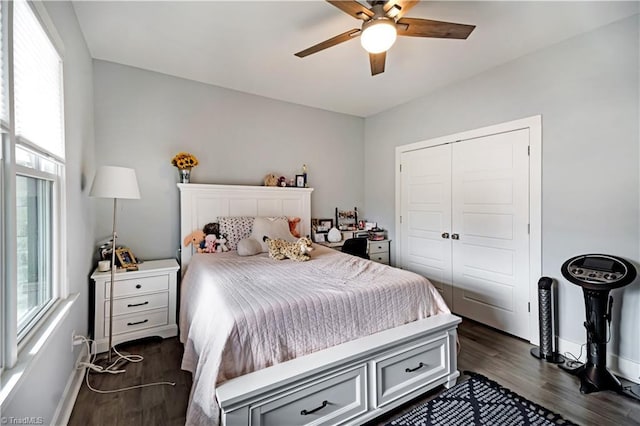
x=76, y=340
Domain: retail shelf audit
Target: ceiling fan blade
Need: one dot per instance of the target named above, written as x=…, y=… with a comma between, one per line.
x=377, y=62
x=346, y=36
x=353, y=8
x=398, y=8
x=415, y=27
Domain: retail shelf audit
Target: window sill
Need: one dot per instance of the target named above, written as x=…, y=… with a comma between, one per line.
x=12, y=378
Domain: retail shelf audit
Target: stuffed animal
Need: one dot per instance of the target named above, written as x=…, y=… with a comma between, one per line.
x=210, y=243
x=281, y=249
x=211, y=228
x=194, y=238
x=293, y=226
x=271, y=180
x=222, y=244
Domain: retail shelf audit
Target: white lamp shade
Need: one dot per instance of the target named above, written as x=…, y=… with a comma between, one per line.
x=115, y=182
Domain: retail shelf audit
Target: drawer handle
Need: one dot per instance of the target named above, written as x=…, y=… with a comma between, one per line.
x=131, y=305
x=136, y=323
x=138, y=285
x=410, y=370
x=306, y=413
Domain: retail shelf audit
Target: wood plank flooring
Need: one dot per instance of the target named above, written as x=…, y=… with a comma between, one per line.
x=498, y=356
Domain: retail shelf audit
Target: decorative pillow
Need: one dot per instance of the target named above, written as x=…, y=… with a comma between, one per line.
x=235, y=228
x=272, y=227
x=249, y=247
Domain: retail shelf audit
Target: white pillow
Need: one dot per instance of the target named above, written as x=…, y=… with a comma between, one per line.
x=272, y=227
x=249, y=247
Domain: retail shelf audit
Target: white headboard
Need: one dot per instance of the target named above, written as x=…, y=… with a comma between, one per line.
x=201, y=204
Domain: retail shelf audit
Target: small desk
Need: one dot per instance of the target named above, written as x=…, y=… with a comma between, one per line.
x=378, y=250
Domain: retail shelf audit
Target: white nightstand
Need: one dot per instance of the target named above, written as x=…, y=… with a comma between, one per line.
x=144, y=303
x=379, y=251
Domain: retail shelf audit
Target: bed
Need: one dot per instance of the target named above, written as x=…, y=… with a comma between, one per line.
x=335, y=340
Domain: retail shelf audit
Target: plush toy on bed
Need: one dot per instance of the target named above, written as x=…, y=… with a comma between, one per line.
x=222, y=244
x=281, y=249
x=210, y=244
x=195, y=238
x=293, y=226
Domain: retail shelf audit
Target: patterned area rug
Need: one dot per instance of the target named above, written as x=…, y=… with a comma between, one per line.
x=479, y=401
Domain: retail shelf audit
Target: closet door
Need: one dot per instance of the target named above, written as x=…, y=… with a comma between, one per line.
x=426, y=215
x=490, y=206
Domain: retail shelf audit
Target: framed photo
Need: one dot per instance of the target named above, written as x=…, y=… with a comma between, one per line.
x=319, y=237
x=125, y=257
x=300, y=181
x=324, y=225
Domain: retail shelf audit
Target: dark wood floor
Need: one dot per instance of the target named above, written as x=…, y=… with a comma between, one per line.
x=500, y=357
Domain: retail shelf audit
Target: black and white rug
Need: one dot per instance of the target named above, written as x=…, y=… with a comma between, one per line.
x=479, y=401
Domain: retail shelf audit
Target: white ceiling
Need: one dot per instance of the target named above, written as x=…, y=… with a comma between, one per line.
x=249, y=45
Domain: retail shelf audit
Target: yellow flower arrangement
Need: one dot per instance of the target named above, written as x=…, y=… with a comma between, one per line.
x=184, y=160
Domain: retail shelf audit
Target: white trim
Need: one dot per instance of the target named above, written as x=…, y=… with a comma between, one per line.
x=12, y=378
x=40, y=11
x=620, y=366
x=65, y=407
x=534, y=124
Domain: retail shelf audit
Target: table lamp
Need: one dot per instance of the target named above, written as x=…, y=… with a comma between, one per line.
x=114, y=182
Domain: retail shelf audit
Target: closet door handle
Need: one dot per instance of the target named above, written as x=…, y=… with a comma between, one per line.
x=445, y=235
x=455, y=236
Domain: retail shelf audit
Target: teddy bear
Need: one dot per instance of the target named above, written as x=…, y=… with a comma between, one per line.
x=210, y=244
x=195, y=238
x=271, y=180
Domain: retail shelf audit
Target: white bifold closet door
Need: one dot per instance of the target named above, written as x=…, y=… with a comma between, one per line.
x=465, y=216
x=426, y=215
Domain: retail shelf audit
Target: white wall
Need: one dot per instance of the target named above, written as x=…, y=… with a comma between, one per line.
x=41, y=388
x=587, y=91
x=143, y=118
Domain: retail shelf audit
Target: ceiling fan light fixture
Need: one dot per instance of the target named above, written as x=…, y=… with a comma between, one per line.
x=378, y=35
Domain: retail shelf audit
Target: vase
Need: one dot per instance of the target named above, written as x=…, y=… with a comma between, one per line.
x=185, y=175
x=334, y=235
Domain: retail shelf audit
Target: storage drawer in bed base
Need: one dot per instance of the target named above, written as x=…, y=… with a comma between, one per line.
x=347, y=384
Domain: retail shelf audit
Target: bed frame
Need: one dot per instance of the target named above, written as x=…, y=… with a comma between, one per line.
x=346, y=384
x=201, y=204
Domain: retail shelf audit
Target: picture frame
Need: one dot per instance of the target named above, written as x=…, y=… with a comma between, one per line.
x=125, y=257
x=300, y=181
x=319, y=237
x=324, y=225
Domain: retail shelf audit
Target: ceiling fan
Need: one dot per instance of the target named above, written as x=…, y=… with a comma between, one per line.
x=383, y=22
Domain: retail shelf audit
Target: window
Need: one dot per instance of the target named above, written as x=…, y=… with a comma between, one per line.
x=33, y=170
x=34, y=235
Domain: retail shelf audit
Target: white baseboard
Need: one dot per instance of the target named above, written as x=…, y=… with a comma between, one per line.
x=620, y=366
x=68, y=400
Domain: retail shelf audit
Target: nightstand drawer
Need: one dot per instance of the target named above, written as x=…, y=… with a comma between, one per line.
x=127, y=323
x=380, y=257
x=135, y=286
x=378, y=247
x=135, y=304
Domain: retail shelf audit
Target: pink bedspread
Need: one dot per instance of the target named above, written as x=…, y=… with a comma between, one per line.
x=241, y=314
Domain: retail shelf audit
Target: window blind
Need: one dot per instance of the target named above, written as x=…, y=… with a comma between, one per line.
x=37, y=83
